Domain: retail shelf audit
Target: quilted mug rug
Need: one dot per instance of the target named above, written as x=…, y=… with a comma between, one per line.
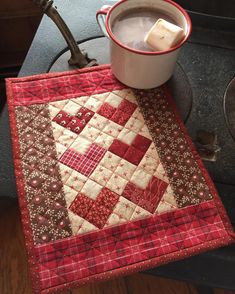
x=108, y=180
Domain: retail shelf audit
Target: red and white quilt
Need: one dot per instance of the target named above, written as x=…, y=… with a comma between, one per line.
x=108, y=180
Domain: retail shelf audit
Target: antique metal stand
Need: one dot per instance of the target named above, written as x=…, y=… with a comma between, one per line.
x=77, y=58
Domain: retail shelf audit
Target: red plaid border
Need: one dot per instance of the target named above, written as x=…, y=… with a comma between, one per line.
x=120, y=246
x=77, y=83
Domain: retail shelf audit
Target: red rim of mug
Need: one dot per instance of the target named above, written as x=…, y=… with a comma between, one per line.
x=188, y=20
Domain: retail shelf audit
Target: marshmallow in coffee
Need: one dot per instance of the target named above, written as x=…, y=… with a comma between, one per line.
x=164, y=35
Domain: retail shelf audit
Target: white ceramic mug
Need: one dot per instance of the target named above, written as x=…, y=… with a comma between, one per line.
x=142, y=69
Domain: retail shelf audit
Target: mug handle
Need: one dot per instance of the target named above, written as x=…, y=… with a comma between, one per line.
x=101, y=18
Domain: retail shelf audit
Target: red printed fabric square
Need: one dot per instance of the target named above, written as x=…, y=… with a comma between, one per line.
x=127, y=107
x=76, y=125
x=119, y=148
x=120, y=117
x=81, y=206
x=106, y=110
x=148, y=198
x=142, y=143
x=85, y=114
x=109, y=182
x=134, y=155
x=62, y=118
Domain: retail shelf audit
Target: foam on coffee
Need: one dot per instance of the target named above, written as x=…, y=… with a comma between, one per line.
x=131, y=27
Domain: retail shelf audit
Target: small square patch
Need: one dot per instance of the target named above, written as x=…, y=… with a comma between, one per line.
x=127, y=107
x=98, y=121
x=93, y=104
x=76, y=181
x=107, y=198
x=120, y=117
x=81, y=145
x=104, y=140
x=112, y=129
x=91, y=189
x=116, y=184
x=134, y=124
x=106, y=110
x=124, y=208
x=125, y=169
x=67, y=138
x=76, y=125
x=101, y=175
x=126, y=136
x=119, y=148
x=110, y=161
x=84, y=115
x=149, y=164
x=141, y=143
x=134, y=155
x=90, y=133
x=113, y=99
x=71, y=108
x=98, y=215
x=95, y=153
x=62, y=118
x=81, y=205
x=140, y=178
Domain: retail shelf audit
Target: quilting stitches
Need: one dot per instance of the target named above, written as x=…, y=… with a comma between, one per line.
x=177, y=160
x=168, y=202
x=95, y=211
x=75, y=123
x=148, y=198
x=85, y=164
x=124, y=142
x=132, y=153
x=117, y=109
x=146, y=240
x=91, y=189
x=75, y=181
x=74, y=85
x=42, y=178
x=136, y=183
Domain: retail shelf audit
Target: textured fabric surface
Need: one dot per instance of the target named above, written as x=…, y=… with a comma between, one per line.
x=108, y=180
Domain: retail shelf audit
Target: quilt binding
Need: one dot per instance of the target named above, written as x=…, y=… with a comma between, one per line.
x=140, y=266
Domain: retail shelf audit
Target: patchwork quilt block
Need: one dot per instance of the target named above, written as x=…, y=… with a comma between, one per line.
x=108, y=180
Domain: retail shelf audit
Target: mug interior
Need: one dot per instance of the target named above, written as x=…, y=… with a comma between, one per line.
x=171, y=9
